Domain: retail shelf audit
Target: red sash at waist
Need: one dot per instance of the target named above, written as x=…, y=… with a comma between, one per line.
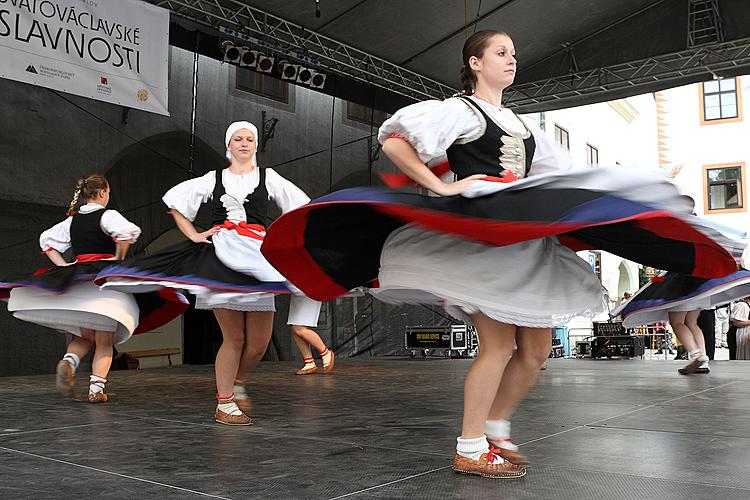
x=255, y=231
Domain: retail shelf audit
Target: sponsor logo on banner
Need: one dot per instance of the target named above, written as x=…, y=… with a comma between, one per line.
x=103, y=86
x=69, y=44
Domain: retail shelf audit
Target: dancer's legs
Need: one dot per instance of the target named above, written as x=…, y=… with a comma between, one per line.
x=102, y=361
x=533, y=348
x=232, y=324
x=496, y=341
x=258, y=331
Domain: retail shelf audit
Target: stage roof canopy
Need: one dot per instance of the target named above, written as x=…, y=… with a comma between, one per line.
x=570, y=52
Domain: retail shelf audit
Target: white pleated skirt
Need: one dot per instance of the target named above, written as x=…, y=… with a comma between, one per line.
x=83, y=305
x=538, y=283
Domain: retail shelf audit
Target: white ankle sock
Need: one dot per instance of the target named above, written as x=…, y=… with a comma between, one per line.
x=229, y=406
x=239, y=389
x=498, y=431
x=96, y=384
x=325, y=354
x=309, y=363
x=472, y=448
x=73, y=359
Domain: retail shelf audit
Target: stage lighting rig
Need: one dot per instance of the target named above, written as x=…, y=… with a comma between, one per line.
x=231, y=52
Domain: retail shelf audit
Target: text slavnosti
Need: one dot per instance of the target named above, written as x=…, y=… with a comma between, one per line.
x=78, y=33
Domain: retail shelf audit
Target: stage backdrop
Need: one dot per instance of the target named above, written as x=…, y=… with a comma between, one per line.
x=110, y=50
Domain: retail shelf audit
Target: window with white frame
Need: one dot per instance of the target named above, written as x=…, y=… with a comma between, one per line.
x=724, y=188
x=592, y=155
x=720, y=99
x=562, y=137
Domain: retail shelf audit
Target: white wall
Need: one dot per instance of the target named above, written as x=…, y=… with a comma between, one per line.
x=625, y=133
x=694, y=145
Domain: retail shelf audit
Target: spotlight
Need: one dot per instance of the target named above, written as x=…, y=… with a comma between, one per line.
x=304, y=76
x=318, y=80
x=289, y=71
x=249, y=58
x=231, y=52
x=265, y=63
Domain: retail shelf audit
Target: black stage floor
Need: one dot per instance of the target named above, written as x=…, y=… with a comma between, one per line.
x=380, y=428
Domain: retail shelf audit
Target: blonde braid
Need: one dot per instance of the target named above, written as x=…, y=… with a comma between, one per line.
x=76, y=194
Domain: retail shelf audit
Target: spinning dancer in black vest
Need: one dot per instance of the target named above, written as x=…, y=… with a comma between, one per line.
x=66, y=299
x=494, y=248
x=223, y=265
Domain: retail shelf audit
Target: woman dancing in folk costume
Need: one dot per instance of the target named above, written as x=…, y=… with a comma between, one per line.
x=679, y=299
x=484, y=138
x=66, y=299
x=223, y=266
x=303, y=317
x=490, y=255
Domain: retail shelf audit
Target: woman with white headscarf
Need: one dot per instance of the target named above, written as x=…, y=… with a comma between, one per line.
x=223, y=266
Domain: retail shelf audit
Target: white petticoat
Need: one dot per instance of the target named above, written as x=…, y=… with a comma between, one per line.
x=83, y=305
x=303, y=311
x=242, y=254
x=538, y=283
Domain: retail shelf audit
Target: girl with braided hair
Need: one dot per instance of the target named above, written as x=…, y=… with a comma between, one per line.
x=66, y=299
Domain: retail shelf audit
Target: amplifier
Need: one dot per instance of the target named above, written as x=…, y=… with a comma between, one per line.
x=436, y=337
x=623, y=346
x=607, y=328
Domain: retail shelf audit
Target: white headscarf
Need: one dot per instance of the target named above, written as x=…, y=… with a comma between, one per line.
x=234, y=127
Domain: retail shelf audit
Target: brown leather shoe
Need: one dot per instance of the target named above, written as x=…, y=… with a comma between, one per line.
x=488, y=465
x=327, y=368
x=306, y=371
x=691, y=367
x=65, y=378
x=703, y=368
x=245, y=405
x=98, y=397
x=512, y=456
x=227, y=419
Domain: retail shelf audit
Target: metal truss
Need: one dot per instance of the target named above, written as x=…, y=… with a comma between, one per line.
x=704, y=23
x=272, y=33
x=715, y=60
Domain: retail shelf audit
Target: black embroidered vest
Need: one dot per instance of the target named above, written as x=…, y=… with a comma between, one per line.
x=492, y=153
x=87, y=235
x=255, y=205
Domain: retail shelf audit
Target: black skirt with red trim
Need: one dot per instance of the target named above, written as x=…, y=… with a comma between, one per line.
x=334, y=243
x=155, y=308
x=677, y=292
x=187, y=264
